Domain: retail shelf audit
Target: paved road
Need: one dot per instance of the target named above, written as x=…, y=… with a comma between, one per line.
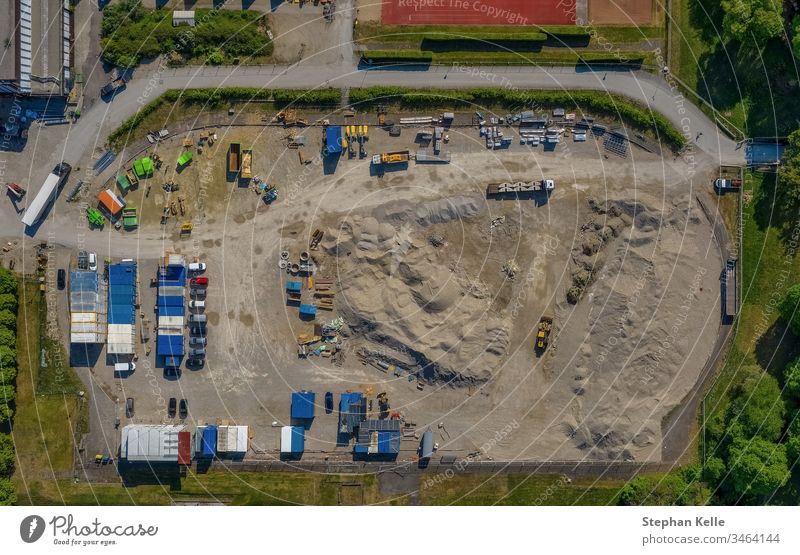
x=653, y=91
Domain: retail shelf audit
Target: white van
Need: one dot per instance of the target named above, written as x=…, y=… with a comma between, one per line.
x=125, y=367
x=197, y=304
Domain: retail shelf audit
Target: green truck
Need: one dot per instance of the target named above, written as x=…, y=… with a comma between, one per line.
x=95, y=218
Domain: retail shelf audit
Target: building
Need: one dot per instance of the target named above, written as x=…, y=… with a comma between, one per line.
x=293, y=440
x=183, y=17
x=37, y=35
x=121, y=308
x=380, y=438
x=303, y=405
x=232, y=440
x=151, y=443
x=171, y=309
x=352, y=410
x=87, y=308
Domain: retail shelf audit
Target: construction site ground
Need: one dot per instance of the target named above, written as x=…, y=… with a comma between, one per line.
x=447, y=274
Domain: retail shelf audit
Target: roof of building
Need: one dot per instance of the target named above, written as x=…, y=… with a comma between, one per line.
x=352, y=410
x=232, y=439
x=121, y=293
x=303, y=404
x=151, y=443
x=86, y=307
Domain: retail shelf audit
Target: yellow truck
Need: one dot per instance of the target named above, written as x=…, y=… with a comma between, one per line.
x=543, y=333
x=397, y=157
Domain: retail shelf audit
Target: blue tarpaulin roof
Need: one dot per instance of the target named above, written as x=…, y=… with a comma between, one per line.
x=303, y=404
x=170, y=310
x=170, y=301
x=169, y=345
x=333, y=139
x=172, y=275
x=208, y=443
x=294, y=286
x=308, y=309
x=121, y=293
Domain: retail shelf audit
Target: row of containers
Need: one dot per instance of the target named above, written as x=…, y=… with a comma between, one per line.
x=175, y=443
x=374, y=438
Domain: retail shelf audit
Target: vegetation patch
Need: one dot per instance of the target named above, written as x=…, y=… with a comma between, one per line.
x=397, y=56
x=8, y=377
x=132, y=33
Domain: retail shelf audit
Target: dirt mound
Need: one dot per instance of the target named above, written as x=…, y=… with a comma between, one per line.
x=410, y=294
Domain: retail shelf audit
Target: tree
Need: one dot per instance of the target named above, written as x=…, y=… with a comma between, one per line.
x=714, y=470
x=757, y=409
x=8, y=495
x=796, y=36
x=757, y=466
x=8, y=357
x=8, y=320
x=791, y=380
x=790, y=306
x=8, y=301
x=746, y=20
x=8, y=281
x=7, y=338
x=790, y=178
x=6, y=455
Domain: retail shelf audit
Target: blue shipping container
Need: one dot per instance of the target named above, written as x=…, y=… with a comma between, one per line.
x=208, y=445
x=303, y=404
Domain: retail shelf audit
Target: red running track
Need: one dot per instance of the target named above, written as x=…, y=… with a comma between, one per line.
x=470, y=12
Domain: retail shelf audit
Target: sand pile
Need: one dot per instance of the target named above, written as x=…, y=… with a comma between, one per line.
x=636, y=340
x=401, y=287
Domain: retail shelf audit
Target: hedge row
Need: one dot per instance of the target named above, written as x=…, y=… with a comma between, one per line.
x=8, y=378
x=397, y=56
x=585, y=102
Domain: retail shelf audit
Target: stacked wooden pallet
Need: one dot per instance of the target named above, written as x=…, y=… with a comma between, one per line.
x=324, y=293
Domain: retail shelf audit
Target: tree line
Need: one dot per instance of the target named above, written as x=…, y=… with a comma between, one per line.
x=8, y=376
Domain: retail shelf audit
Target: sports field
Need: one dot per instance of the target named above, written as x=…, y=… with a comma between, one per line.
x=466, y=12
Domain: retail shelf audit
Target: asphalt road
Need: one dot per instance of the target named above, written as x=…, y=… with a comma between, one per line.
x=652, y=91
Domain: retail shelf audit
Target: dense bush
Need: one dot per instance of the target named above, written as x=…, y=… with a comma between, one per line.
x=8, y=301
x=681, y=487
x=757, y=466
x=6, y=455
x=8, y=282
x=8, y=319
x=132, y=34
x=319, y=97
x=757, y=410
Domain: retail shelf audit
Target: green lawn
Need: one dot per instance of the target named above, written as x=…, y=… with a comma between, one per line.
x=281, y=488
x=43, y=424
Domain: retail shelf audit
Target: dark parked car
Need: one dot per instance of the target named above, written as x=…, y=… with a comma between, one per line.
x=62, y=278
x=62, y=169
x=173, y=403
x=129, y=407
x=329, y=402
x=184, y=408
x=195, y=363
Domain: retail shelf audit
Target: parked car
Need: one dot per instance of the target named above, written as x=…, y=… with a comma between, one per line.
x=62, y=169
x=195, y=362
x=198, y=328
x=62, y=278
x=328, y=402
x=197, y=292
x=197, y=267
x=200, y=352
x=200, y=305
x=173, y=403
x=92, y=262
x=198, y=318
x=83, y=260
x=184, y=408
x=202, y=281
x=129, y=407
x=199, y=341
x=124, y=367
